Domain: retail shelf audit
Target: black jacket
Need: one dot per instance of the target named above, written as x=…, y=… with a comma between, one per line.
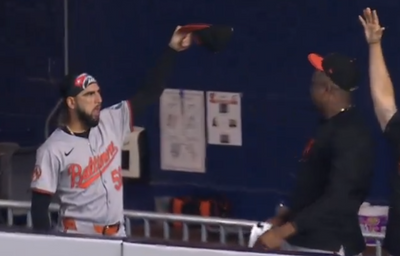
x=333, y=181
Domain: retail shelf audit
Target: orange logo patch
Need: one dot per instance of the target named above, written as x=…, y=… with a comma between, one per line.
x=37, y=172
x=307, y=150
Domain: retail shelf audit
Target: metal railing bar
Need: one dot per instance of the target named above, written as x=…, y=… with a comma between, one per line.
x=147, y=216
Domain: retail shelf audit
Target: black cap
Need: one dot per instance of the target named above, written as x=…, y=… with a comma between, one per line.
x=72, y=85
x=341, y=69
x=212, y=37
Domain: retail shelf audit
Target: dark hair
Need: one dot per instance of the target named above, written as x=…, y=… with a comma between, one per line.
x=65, y=84
x=63, y=114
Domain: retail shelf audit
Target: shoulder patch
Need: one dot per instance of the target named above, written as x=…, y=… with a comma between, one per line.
x=37, y=172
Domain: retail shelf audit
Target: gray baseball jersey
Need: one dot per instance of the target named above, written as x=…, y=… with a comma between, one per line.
x=85, y=173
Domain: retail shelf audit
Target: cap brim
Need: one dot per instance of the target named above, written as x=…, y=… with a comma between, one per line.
x=193, y=27
x=215, y=38
x=316, y=61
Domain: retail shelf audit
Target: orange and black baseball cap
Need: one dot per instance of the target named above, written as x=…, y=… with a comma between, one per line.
x=213, y=37
x=341, y=69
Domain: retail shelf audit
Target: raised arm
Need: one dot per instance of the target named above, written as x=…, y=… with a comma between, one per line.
x=380, y=83
x=121, y=115
x=156, y=80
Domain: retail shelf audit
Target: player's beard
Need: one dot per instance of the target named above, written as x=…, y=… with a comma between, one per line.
x=87, y=119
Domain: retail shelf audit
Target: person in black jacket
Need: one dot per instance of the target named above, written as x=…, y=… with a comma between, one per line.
x=388, y=116
x=335, y=170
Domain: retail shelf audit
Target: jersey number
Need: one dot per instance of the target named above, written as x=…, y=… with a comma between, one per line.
x=116, y=176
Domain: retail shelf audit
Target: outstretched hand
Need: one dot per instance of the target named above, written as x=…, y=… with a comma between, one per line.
x=372, y=29
x=180, y=41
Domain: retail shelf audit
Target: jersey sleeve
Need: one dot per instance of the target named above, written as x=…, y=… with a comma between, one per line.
x=120, y=116
x=392, y=130
x=46, y=171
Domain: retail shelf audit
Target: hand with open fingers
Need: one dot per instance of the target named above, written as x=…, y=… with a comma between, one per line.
x=372, y=28
x=180, y=41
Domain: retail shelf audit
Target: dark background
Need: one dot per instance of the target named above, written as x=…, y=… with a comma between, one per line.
x=118, y=41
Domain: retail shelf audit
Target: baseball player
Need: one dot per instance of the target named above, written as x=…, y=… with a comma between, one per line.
x=81, y=160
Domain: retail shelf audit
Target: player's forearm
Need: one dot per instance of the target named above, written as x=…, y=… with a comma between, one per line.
x=283, y=213
x=381, y=85
x=39, y=211
x=155, y=82
x=281, y=217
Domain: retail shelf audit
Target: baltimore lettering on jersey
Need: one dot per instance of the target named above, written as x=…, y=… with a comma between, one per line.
x=83, y=177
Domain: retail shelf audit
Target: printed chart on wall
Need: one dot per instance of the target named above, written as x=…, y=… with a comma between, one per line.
x=182, y=126
x=224, y=118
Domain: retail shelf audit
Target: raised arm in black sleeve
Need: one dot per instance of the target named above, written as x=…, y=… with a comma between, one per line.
x=154, y=83
x=40, y=211
x=349, y=180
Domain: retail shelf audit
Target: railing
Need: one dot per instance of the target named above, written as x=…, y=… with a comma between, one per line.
x=224, y=226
